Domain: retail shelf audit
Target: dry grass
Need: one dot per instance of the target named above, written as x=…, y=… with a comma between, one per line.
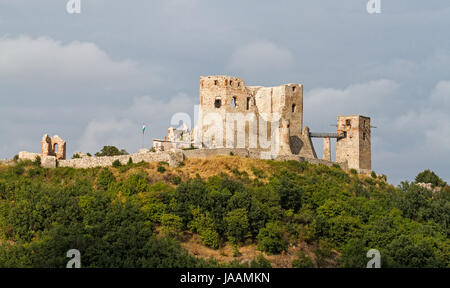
x=221, y=164
x=194, y=246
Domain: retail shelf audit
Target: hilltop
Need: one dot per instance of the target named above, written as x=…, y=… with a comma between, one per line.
x=221, y=211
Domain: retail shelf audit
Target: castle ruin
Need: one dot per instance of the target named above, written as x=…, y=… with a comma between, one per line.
x=249, y=121
x=269, y=120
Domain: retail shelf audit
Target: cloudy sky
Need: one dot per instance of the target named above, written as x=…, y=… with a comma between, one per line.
x=94, y=77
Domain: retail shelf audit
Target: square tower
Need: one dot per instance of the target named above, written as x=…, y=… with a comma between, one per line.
x=353, y=144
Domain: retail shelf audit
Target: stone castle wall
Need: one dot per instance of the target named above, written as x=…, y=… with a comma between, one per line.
x=225, y=97
x=173, y=158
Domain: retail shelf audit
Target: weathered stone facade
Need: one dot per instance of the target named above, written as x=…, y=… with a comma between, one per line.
x=173, y=158
x=53, y=146
x=24, y=155
x=327, y=149
x=354, y=143
x=234, y=115
x=176, y=139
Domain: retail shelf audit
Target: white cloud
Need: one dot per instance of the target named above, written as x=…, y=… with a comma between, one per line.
x=49, y=68
x=261, y=57
x=323, y=105
x=43, y=57
x=440, y=98
x=110, y=132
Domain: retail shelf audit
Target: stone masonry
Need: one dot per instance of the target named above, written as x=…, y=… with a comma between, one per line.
x=53, y=146
x=260, y=107
x=354, y=145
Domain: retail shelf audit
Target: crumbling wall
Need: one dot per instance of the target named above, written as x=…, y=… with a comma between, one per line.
x=53, y=146
x=173, y=158
x=251, y=110
x=24, y=155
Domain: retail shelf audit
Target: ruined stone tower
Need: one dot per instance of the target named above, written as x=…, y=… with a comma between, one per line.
x=53, y=146
x=354, y=142
x=235, y=115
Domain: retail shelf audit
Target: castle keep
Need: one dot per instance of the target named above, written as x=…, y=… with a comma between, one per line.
x=234, y=115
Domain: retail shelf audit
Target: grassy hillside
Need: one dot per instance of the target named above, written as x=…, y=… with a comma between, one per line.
x=223, y=211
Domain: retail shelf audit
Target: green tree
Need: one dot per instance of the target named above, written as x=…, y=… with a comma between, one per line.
x=270, y=238
x=237, y=224
x=429, y=176
x=171, y=225
x=205, y=226
x=353, y=254
x=111, y=151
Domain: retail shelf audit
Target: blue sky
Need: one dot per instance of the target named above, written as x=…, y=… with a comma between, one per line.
x=94, y=77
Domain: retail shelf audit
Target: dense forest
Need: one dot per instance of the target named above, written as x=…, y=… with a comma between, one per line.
x=140, y=214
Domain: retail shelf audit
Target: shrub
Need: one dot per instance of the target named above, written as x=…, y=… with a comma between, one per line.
x=258, y=172
x=171, y=225
x=111, y=151
x=260, y=262
x=237, y=224
x=161, y=169
x=209, y=237
x=76, y=156
x=130, y=161
x=353, y=171
x=37, y=161
x=373, y=175
x=302, y=261
x=353, y=254
x=105, y=178
x=116, y=164
x=175, y=180
x=204, y=225
x=236, y=252
x=270, y=238
x=322, y=253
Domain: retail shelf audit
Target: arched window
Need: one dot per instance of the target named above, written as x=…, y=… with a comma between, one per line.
x=233, y=102
x=55, y=148
x=248, y=103
x=293, y=108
